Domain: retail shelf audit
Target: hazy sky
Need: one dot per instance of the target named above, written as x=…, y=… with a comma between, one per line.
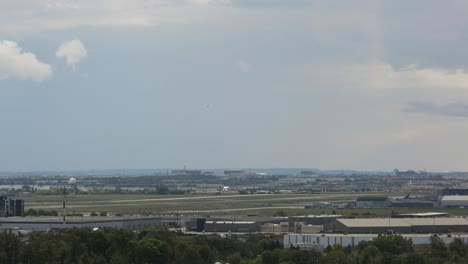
x=369, y=85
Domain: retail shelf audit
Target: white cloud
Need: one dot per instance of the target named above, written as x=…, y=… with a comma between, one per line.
x=72, y=51
x=381, y=75
x=39, y=15
x=15, y=63
x=394, y=129
x=382, y=80
x=366, y=118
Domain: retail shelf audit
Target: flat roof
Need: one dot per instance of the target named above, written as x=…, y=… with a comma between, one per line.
x=437, y=221
x=374, y=222
x=377, y=235
x=230, y=222
x=316, y=216
x=455, y=198
x=402, y=222
x=428, y=214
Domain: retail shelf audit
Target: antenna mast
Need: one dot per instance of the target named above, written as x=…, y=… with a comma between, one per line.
x=64, y=192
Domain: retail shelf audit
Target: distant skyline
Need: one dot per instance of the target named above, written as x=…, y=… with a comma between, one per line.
x=215, y=171
x=359, y=85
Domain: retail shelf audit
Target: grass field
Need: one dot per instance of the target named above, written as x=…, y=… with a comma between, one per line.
x=226, y=204
x=261, y=204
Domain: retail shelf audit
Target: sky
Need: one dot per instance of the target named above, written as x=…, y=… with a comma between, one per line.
x=327, y=84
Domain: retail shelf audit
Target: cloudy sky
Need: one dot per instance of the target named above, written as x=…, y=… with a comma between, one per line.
x=367, y=85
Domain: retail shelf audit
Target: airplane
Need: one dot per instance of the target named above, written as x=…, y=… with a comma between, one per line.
x=406, y=197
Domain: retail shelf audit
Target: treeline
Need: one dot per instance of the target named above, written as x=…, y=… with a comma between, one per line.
x=383, y=250
x=156, y=190
x=41, y=212
x=117, y=246
x=163, y=247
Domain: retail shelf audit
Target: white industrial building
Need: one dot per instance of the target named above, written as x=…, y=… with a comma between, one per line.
x=398, y=225
x=282, y=227
x=454, y=201
x=321, y=241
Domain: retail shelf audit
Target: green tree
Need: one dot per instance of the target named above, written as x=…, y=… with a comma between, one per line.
x=151, y=250
x=187, y=253
x=458, y=251
x=280, y=213
x=162, y=189
x=234, y=258
x=206, y=253
x=44, y=248
x=413, y=258
x=299, y=256
x=395, y=244
x=370, y=254
x=10, y=246
x=120, y=249
x=457, y=247
x=270, y=257
x=335, y=256
x=437, y=248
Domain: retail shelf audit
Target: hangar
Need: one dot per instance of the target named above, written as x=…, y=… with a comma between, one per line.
x=398, y=225
x=454, y=201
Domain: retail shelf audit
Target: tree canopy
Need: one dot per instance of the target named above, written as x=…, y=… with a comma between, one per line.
x=161, y=246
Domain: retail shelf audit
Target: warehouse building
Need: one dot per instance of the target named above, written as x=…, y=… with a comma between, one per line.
x=372, y=202
x=367, y=225
x=282, y=227
x=11, y=207
x=321, y=241
x=242, y=224
x=459, y=201
x=398, y=225
x=412, y=204
x=231, y=226
x=42, y=224
x=314, y=219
